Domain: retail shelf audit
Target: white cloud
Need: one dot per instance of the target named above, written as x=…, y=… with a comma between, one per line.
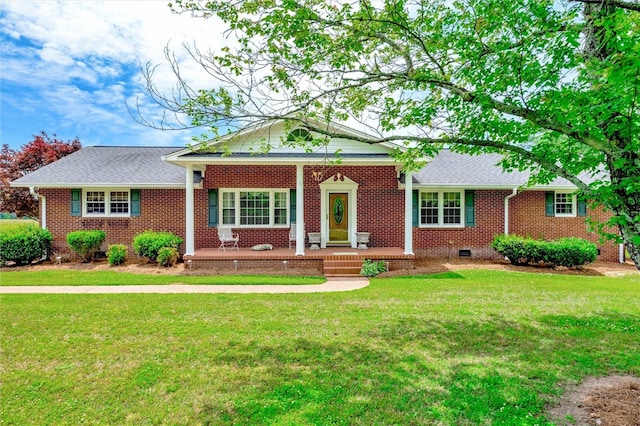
x=80, y=59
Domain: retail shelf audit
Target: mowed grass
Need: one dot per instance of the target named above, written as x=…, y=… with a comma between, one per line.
x=16, y=223
x=100, y=278
x=465, y=348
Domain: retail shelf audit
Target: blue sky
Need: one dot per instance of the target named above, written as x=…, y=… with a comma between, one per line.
x=70, y=67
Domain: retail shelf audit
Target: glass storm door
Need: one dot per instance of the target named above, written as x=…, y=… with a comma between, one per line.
x=338, y=217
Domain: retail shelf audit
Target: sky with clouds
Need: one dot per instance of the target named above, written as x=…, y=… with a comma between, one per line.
x=70, y=67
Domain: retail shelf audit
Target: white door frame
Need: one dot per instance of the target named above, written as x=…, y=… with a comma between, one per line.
x=338, y=183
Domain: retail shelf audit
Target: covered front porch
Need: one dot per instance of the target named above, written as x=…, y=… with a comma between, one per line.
x=334, y=261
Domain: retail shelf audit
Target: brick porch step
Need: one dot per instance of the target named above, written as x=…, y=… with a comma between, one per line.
x=342, y=267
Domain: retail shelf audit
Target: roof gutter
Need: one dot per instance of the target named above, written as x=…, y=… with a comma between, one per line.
x=506, y=209
x=33, y=191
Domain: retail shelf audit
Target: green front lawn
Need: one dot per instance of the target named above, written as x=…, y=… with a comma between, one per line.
x=74, y=278
x=465, y=348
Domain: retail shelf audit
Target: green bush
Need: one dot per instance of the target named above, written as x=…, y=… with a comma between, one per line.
x=117, y=254
x=24, y=244
x=371, y=269
x=86, y=243
x=167, y=256
x=149, y=243
x=569, y=252
x=519, y=250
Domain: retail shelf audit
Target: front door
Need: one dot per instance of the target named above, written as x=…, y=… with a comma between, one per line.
x=338, y=217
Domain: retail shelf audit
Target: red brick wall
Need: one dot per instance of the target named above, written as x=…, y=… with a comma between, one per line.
x=380, y=212
x=380, y=202
x=527, y=218
x=161, y=210
x=442, y=242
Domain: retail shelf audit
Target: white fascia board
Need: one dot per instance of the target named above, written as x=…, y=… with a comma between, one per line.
x=551, y=187
x=461, y=185
x=489, y=187
x=102, y=185
x=281, y=161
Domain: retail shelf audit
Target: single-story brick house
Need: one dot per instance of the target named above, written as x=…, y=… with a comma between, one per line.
x=454, y=205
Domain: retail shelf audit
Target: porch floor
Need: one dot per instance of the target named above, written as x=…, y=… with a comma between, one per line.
x=328, y=261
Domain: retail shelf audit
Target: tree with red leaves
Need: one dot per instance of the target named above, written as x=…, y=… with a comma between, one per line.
x=42, y=150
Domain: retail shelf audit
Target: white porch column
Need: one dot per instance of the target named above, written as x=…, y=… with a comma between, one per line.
x=189, y=215
x=300, y=210
x=408, y=213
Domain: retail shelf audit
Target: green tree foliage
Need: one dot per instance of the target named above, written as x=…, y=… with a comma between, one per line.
x=552, y=85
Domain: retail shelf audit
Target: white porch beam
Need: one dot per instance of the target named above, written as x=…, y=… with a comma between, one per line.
x=408, y=212
x=189, y=213
x=300, y=210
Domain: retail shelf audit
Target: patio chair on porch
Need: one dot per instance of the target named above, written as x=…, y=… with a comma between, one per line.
x=227, y=238
x=293, y=234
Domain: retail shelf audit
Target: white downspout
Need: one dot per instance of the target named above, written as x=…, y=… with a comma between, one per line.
x=506, y=210
x=43, y=212
x=621, y=258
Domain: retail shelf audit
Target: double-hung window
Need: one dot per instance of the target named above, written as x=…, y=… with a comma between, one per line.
x=441, y=208
x=254, y=207
x=565, y=204
x=107, y=203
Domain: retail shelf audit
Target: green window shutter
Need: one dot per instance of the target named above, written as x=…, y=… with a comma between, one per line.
x=415, y=207
x=135, y=202
x=470, y=208
x=76, y=202
x=213, y=207
x=549, y=198
x=582, y=207
x=292, y=205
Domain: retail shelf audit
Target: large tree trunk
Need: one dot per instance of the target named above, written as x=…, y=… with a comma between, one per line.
x=628, y=233
x=600, y=45
x=624, y=203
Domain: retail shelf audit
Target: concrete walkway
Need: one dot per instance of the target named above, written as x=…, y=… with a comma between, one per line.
x=332, y=285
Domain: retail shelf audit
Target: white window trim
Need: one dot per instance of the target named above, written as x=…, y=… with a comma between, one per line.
x=271, y=191
x=440, y=224
x=107, y=201
x=574, y=204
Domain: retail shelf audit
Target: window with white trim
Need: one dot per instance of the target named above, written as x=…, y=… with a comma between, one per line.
x=254, y=207
x=101, y=202
x=441, y=208
x=564, y=203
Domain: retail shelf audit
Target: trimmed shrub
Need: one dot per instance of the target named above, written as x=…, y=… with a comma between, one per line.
x=371, y=269
x=167, y=256
x=24, y=244
x=86, y=243
x=117, y=254
x=569, y=252
x=519, y=250
x=149, y=243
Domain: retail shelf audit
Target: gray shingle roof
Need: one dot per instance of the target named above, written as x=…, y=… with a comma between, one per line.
x=144, y=167
x=454, y=169
x=108, y=165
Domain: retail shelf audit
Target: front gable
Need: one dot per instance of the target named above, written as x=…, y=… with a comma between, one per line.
x=273, y=143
